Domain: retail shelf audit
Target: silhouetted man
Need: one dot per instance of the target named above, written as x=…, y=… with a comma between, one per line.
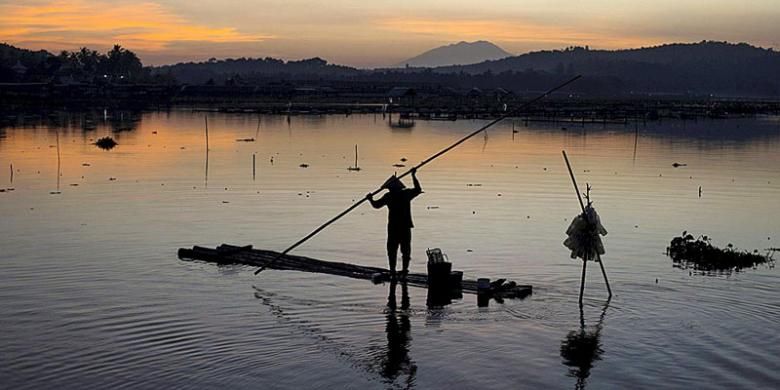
x=398, y=200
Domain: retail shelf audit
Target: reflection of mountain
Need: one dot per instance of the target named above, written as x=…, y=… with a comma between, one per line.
x=125, y=120
x=461, y=53
x=581, y=348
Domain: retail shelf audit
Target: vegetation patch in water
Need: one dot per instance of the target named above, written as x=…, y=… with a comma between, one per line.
x=106, y=143
x=699, y=253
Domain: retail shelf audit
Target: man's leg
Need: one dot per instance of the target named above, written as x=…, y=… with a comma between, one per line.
x=406, y=249
x=392, y=250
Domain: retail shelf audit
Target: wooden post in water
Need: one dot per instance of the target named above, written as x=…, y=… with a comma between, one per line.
x=206, y=120
x=59, y=165
x=12, y=173
x=254, y=170
x=598, y=257
x=206, y=179
x=582, y=281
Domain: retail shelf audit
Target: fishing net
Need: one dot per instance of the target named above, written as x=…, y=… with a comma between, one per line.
x=584, y=235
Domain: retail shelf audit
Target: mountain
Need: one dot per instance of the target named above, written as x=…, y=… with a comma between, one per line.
x=460, y=53
x=705, y=67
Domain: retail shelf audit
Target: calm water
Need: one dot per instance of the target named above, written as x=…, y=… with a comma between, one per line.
x=92, y=294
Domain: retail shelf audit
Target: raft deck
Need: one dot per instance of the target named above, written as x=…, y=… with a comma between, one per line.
x=231, y=254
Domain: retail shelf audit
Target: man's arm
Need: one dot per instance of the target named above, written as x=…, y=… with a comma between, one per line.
x=375, y=203
x=417, y=187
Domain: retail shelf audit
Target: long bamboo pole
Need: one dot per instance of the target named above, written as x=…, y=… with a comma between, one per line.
x=598, y=256
x=420, y=165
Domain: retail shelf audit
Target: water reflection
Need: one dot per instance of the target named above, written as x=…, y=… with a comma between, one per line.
x=581, y=348
x=124, y=121
x=396, y=362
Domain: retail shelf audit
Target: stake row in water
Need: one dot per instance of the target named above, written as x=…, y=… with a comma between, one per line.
x=422, y=164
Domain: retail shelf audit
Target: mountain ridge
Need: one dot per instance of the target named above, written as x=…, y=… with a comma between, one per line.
x=461, y=53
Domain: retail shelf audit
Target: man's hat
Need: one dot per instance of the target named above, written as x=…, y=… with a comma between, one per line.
x=393, y=183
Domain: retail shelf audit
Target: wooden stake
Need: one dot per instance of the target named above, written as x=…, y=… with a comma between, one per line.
x=206, y=179
x=58, y=161
x=206, y=119
x=582, y=282
x=598, y=256
x=254, y=170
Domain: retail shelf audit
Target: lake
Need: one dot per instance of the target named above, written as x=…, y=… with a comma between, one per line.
x=92, y=294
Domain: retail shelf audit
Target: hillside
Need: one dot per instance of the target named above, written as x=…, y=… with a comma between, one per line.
x=221, y=70
x=705, y=67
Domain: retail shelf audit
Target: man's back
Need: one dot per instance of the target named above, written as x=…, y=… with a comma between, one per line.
x=399, y=207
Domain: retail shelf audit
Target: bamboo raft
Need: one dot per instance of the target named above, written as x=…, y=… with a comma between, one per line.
x=246, y=255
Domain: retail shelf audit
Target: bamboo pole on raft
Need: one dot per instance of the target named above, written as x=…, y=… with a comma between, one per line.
x=598, y=256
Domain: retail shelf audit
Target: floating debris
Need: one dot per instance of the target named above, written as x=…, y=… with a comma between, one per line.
x=677, y=165
x=399, y=165
x=106, y=143
x=304, y=165
x=245, y=140
x=86, y=165
x=474, y=185
x=403, y=159
x=699, y=254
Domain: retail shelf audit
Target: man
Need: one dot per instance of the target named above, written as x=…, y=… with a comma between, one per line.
x=399, y=219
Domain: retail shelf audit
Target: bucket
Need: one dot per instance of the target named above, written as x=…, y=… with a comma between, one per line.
x=439, y=274
x=456, y=277
x=435, y=255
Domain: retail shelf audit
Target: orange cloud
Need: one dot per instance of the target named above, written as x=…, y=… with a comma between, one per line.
x=505, y=31
x=145, y=26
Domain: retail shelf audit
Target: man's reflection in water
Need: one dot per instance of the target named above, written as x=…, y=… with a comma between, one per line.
x=398, y=331
x=581, y=348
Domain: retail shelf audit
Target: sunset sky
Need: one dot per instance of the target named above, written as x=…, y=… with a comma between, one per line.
x=374, y=33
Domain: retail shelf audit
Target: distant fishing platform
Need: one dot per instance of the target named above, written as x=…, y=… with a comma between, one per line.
x=247, y=255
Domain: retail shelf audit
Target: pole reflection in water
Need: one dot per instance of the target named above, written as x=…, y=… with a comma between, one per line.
x=396, y=361
x=581, y=348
